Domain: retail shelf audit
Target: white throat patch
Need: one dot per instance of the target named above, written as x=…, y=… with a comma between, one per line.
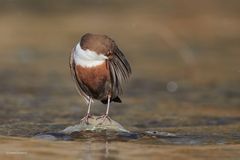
x=87, y=58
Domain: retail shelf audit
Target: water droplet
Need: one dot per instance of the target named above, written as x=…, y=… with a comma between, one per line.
x=172, y=86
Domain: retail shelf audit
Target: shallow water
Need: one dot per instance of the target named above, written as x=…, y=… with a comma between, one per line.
x=182, y=101
x=86, y=149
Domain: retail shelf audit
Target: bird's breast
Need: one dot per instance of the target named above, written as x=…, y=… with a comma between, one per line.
x=88, y=58
x=97, y=79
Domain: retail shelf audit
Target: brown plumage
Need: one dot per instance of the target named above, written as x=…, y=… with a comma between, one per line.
x=99, y=69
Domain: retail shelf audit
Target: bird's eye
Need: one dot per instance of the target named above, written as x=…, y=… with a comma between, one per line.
x=109, y=55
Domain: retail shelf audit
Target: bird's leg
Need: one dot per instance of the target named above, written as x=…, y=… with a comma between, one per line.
x=106, y=116
x=88, y=115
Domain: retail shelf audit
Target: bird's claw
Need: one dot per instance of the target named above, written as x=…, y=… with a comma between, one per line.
x=85, y=118
x=104, y=117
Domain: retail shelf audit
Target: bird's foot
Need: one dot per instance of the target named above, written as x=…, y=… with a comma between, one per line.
x=85, y=118
x=104, y=118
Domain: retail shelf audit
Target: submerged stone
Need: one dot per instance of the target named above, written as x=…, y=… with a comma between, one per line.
x=96, y=123
x=51, y=136
x=160, y=134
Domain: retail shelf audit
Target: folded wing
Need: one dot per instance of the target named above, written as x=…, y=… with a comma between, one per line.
x=120, y=71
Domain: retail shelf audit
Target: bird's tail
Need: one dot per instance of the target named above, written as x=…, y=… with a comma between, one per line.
x=116, y=99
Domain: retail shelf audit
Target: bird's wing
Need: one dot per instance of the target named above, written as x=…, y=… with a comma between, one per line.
x=81, y=88
x=120, y=70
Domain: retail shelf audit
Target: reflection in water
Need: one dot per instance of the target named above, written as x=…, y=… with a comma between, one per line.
x=90, y=151
x=106, y=150
x=87, y=154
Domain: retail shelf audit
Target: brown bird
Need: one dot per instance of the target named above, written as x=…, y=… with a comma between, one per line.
x=99, y=69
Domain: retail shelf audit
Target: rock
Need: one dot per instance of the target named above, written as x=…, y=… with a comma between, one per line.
x=160, y=134
x=95, y=124
x=51, y=136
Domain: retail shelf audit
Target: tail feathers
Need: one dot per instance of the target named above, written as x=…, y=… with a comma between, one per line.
x=116, y=99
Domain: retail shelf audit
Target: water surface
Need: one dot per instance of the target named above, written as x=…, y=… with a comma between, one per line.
x=182, y=101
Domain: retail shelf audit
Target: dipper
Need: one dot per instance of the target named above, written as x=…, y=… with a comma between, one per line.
x=99, y=69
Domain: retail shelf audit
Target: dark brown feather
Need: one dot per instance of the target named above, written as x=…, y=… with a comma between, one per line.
x=120, y=71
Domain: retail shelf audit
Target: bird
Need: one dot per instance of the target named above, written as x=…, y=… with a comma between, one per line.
x=100, y=70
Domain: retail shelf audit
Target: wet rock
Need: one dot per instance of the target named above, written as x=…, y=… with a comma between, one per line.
x=52, y=136
x=160, y=134
x=95, y=129
x=97, y=124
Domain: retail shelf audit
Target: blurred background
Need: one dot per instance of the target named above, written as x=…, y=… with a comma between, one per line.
x=184, y=56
